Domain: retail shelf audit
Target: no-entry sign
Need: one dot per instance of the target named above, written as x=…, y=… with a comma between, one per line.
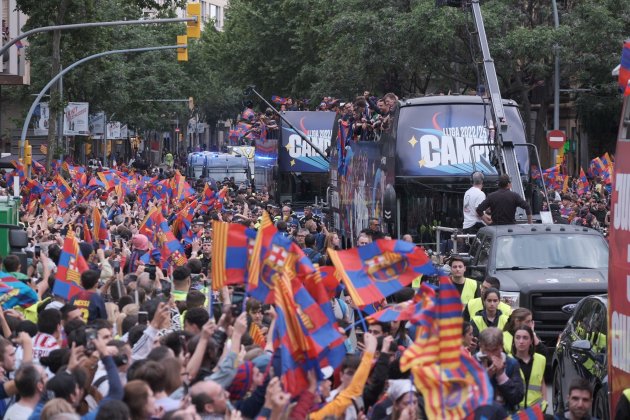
x=556, y=139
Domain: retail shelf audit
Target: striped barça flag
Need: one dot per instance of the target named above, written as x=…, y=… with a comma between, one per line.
x=377, y=270
x=404, y=311
x=450, y=379
x=534, y=412
x=71, y=265
x=232, y=244
x=101, y=233
x=273, y=254
x=14, y=293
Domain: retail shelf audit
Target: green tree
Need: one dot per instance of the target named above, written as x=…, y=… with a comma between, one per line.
x=48, y=47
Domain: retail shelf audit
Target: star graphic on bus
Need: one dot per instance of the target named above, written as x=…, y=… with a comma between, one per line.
x=422, y=162
x=289, y=146
x=413, y=141
x=292, y=162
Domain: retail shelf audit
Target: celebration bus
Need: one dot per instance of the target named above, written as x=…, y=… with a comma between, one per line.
x=414, y=177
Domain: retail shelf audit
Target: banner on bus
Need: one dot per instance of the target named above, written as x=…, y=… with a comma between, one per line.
x=436, y=140
x=619, y=273
x=295, y=154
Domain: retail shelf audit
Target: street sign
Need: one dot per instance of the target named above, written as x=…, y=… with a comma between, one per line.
x=556, y=139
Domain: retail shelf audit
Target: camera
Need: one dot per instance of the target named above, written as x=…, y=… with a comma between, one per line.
x=38, y=251
x=90, y=335
x=143, y=317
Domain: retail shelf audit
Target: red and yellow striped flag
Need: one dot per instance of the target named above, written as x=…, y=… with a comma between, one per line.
x=257, y=336
x=450, y=379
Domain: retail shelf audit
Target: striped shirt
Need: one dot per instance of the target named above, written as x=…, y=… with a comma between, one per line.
x=43, y=344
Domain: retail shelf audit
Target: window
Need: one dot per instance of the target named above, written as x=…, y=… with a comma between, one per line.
x=582, y=319
x=552, y=251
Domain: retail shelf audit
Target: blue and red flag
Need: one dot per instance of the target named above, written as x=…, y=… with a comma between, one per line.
x=14, y=293
x=241, y=130
x=38, y=168
x=451, y=381
x=278, y=100
x=65, y=191
x=624, y=68
x=534, y=412
x=273, y=254
x=231, y=246
x=371, y=273
x=156, y=229
x=403, y=311
x=71, y=265
x=290, y=340
x=582, y=183
x=101, y=233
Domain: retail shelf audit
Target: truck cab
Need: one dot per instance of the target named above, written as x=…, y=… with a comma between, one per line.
x=542, y=268
x=218, y=166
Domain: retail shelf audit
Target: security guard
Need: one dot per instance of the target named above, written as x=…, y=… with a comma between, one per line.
x=532, y=367
x=468, y=288
x=475, y=305
x=491, y=315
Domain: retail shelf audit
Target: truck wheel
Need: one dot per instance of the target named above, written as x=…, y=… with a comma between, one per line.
x=557, y=398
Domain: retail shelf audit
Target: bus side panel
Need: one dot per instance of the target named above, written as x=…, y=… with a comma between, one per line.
x=360, y=192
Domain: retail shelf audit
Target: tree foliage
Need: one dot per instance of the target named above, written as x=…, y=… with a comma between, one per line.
x=316, y=48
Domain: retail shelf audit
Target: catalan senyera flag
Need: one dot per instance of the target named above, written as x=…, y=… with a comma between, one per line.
x=71, y=265
x=372, y=272
x=450, y=379
x=231, y=246
x=257, y=336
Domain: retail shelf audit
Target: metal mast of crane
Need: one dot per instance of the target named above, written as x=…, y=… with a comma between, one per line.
x=506, y=151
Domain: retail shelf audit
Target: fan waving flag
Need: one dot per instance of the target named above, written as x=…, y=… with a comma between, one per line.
x=377, y=270
x=450, y=379
x=71, y=265
x=101, y=233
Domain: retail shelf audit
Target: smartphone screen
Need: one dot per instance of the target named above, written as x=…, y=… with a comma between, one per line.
x=143, y=317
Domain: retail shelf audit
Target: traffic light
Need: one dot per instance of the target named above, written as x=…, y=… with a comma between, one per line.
x=193, y=29
x=182, y=53
x=28, y=154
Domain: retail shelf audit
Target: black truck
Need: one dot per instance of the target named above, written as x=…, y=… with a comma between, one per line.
x=542, y=267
